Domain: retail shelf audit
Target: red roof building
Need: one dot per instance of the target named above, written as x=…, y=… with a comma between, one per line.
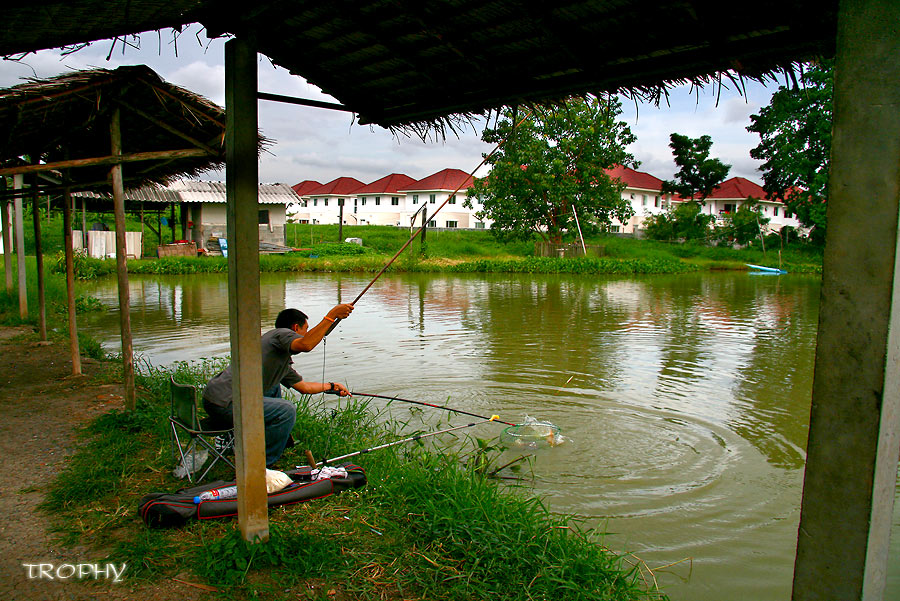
x=342, y=186
x=389, y=184
x=639, y=180
x=444, y=180
x=303, y=188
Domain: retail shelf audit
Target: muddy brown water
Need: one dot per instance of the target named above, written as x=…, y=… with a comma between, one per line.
x=684, y=399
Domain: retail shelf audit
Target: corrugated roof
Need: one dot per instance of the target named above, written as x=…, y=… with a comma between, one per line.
x=339, y=186
x=198, y=191
x=389, y=184
x=445, y=179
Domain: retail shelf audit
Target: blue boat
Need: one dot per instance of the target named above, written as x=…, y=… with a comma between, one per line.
x=772, y=270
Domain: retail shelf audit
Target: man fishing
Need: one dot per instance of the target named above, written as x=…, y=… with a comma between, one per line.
x=291, y=335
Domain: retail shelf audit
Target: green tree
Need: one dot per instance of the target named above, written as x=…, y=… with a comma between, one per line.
x=683, y=222
x=746, y=223
x=697, y=174
x=553, y=165
x=795, y=146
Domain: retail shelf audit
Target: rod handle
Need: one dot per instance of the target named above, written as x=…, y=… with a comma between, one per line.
x=310, y=460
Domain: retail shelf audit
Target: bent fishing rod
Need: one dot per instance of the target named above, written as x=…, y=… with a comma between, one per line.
x=422, y=227
x=494, y=418
x=325, y=462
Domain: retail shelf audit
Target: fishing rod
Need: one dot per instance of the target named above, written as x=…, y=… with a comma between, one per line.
x=422, y=227
x=396, y=442
x=494, y=418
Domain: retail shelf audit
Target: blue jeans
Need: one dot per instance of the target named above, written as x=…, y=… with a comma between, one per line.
x=279, y=416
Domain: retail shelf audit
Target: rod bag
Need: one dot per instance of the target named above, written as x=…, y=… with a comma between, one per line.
x=170, y=510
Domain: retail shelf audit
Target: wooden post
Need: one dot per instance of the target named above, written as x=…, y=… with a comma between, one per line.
x=172, y=221
x=854, y=430
x=70, y=281
x=84, y=234
x=241, y=177
x=142, y=229
x=18, y=184
x=39, y=260
x=341, y=220
x=118, y=189
x=7, y=243
x=424, y=226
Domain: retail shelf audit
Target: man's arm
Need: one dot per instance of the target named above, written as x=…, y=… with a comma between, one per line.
x=305, y=387
x=314, y=335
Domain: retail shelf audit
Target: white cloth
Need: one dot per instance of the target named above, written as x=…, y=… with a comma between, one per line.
x=328, y=472
x=276, y=480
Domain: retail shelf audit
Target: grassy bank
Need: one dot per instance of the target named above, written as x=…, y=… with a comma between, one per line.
x=430, y=524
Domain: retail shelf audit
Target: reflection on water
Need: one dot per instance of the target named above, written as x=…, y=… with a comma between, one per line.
x=685, y=398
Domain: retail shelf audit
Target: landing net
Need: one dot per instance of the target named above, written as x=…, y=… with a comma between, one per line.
x=533, y=434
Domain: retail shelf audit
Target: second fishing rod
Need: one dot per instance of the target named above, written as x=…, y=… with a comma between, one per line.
x=424, y=404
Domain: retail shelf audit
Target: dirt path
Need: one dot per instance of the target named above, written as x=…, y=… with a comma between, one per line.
x=41, y=405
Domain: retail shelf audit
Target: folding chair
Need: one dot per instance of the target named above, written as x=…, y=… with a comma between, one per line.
x=183, y=419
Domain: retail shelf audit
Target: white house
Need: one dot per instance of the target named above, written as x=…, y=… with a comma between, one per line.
x=429, y=193
x=381, y=202
x=323, y=204
x=728, y=196
x=644, y=192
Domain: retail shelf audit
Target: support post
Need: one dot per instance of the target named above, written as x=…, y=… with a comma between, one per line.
x=424, y=227
x=39, y=260
x=7, y=244
x=18, y=184
x=241, y=177
x=74, y=351
x=118, y=189
x=341, y=220
x=854, y=433
x=84, y=233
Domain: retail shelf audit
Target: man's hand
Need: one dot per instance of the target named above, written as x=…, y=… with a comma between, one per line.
x=340, y=311
x=341, y=389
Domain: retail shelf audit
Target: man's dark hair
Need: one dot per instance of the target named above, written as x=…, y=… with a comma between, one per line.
x=289, y=317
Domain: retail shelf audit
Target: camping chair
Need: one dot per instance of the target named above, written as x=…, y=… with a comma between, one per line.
x=184, y=421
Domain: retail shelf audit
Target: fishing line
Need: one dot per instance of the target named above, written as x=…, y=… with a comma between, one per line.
x=423, y=403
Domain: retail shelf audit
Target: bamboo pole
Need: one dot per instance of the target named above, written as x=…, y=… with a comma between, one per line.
x=134, y=157
x=20, y=250
x=70, y=283
x=241, y=177
x=39, y=261
x=115, y=138
x=84, y=233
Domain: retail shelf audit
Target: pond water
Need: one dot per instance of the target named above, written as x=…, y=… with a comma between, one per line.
x=685, y=399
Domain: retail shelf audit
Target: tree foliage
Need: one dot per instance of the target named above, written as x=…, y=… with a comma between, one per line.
x=686, y=221
x=795, y=145
x=553, y=165
x=697, y=173
x=746, y=223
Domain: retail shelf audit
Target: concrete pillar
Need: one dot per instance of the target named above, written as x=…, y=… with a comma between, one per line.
x=852, y=454
x=241, y=177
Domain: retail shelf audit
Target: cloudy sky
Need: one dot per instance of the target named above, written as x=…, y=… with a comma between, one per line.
x=321, y=144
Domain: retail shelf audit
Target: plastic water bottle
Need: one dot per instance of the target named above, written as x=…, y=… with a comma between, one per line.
x=217, y=494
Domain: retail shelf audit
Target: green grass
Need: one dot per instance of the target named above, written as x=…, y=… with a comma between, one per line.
x=428, y=525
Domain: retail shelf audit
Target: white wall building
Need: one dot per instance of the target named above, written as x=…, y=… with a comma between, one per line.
x=728, y=196
x=323, y=204
x=644, y=192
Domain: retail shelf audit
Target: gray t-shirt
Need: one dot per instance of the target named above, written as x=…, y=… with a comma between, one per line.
x=276, y=368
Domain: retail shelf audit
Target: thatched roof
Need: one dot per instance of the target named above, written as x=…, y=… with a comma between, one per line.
x=68, y=117
x=413, y=63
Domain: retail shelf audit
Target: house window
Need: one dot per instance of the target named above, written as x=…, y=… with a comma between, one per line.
x=656, y=202
x=315, y=201
x=643, y=200
x=302, y=203
x=395, y=201
x=415, y=199
x=264, y=217
x=363, y=201
x=453, y=199
x=788, y=214
x=775, y=211
x=479, y=225
x=614, y=228
x=432, y=198
x=377, y=201
x=432, y=223
x=729, y=208
x=452, y=223
x=304, y=221
x=340, y=202
x=325, y=201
